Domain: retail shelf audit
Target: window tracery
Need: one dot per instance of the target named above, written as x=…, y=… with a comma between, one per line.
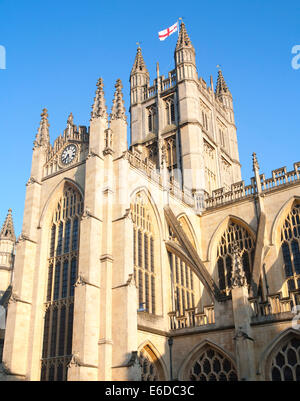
x=212, y=365
x=182, y=285
x=285, y=364
x=151, y=369
x=170, y=111
x=290, y=244
x=143, y=253
x=234, y=233
x=62, y=274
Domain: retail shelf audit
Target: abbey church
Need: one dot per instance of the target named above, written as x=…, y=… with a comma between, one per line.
x=152, y=260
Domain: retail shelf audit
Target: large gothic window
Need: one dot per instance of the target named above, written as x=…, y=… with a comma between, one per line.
x=234, y=233
x=144, y=253
x=285, y=364
x=182, y=282
x=211, y=365
x=290, y=244
x=62, y=275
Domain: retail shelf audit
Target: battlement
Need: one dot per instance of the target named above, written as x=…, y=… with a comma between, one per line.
x=280, y=177
x=149, y=169
x=163, y=84
x=239, y=190
x=160, y=84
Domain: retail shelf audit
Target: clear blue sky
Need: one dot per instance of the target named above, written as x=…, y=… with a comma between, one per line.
x=56, y=51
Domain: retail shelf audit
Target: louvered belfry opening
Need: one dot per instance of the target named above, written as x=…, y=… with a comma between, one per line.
x=62, y=275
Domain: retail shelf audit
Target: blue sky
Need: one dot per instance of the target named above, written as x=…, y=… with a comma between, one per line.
x=56, y=51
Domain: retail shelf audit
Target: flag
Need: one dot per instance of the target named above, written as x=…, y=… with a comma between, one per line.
x=167, y=32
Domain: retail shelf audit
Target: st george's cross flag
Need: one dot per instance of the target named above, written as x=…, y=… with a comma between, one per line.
x=167, y=32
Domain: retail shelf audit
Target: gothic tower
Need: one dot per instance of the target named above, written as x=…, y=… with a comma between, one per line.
x=184, y=116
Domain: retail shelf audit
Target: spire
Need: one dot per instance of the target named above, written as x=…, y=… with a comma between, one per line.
x=139, y=63
x=118, y=108
x=221, y=87
x=99, y=108
x=7, y=231
x=255, y=166
x=183, y=38
x=255, y=162
x=42, y=136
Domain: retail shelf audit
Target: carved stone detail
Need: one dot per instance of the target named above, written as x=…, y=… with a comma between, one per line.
x=238, y=273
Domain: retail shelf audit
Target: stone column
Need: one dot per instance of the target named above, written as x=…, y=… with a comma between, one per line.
x=87, y=316
x=84, y=365
x=244, y=342
x=105, y=336
x=17, y=336
x=124, y=291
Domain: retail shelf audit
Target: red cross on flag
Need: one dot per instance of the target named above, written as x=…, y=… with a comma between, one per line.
x=167, y=32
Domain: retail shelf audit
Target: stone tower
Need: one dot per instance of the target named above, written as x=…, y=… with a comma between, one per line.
x=184, y=115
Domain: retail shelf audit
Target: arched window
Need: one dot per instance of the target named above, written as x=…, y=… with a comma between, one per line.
x=234, y=233
x=62, y=275
x=170, y=111
x=285, y=363
x=205, y=120
x=144, y=253
x=182, y=285
x=212, y=365
x=170, y=143
x=183, y=280
x=151, y=369
x=151, y=111
x=290, y=241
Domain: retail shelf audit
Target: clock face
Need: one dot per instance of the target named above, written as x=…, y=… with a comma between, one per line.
x=68, y=154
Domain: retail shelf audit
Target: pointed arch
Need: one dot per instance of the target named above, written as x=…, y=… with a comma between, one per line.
x=286, y=236
x=145, y=190
x=55, y=195
x=189, y=229
x=222, y=227
x=231, y=230
x=146, y=250
x=61, y=226
x=222, y=365
x=198, y=268
x=280, y=218
x=273, y=357
x=151, y=362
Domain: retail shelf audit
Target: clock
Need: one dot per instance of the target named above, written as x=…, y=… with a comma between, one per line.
x=68, y=154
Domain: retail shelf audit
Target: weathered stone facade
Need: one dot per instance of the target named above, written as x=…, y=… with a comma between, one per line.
x=157, y=262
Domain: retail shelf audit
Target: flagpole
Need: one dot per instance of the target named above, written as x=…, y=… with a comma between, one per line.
x=179, y=25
